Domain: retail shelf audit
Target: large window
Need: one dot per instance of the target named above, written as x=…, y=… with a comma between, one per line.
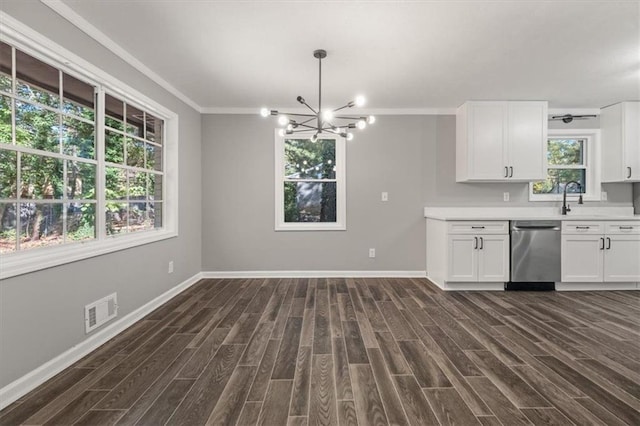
x=310, y=186
x=571, y=157
x=81, y=166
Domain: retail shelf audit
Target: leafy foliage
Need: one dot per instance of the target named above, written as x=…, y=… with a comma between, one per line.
x=563, y=152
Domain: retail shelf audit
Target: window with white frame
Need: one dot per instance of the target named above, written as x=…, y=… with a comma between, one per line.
x=310, y=183
x=571, y=157
x=80, y=164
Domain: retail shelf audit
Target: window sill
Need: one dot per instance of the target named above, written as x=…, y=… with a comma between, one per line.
x=20, y=263
x=311, y=227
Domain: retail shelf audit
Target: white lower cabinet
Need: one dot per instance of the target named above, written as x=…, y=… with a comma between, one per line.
x=478, y=256
x=601, y=252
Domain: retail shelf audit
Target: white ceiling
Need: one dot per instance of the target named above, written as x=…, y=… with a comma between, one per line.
x=400, y=54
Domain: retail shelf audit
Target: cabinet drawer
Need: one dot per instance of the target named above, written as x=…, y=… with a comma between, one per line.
x=475, y=227
x=622, y=227
x=576, y=228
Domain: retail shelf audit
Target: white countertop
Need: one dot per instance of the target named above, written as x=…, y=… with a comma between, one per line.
x=531, y=213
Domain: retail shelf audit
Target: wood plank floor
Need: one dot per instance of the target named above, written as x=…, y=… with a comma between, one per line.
x=357, y=352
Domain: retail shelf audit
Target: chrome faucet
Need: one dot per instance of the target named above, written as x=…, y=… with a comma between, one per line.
x=566, y=208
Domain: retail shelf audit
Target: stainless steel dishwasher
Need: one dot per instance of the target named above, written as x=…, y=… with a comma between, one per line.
x=535, y=254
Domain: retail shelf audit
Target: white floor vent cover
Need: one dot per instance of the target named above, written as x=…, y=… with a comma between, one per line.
x=100, y=311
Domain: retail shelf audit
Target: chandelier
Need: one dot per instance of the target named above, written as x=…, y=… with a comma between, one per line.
x=328, y=120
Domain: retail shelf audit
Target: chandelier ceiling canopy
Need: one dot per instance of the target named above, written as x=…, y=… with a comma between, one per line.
x=319, y=120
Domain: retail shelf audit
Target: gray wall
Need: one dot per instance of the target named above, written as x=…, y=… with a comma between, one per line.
x=411, y=157
x=42, y=313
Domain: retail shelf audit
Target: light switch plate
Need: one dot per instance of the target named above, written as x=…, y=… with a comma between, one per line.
x=505, y=196
x=385, y=196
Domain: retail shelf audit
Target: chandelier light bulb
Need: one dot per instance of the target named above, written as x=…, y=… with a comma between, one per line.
x=283, y=120
x=265, y=112
x=289, y=127
x=314, y=138
x=361, y=124
x=349, y=136
x=281, y=132
x=371, y=119
x=327, y=115
x=360, y=100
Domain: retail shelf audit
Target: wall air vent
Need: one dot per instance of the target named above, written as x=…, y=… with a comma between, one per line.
x=100, y=312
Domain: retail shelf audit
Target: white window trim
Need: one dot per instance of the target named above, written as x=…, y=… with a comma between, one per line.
x=592, y=164
x=33, y=43
x=341, y=199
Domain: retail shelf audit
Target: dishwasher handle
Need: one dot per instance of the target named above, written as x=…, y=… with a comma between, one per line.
x=536, y=228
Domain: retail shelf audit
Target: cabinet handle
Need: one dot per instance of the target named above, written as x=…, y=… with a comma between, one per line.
x=608, y=243
x=510, y=171
x=506, y=171
x=626, y=227
x=628, y=172
x=481, y=243
x=583, y=227
x=477, y=227
x=475, y=243
x=601, y=243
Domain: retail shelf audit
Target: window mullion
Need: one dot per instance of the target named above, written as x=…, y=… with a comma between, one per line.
x=100, y=209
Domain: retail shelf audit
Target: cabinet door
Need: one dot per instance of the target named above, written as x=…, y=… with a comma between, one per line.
x=631, y=148
x=527, y=140
x=622, y=258
x=486, y=140
x=493, y=258
x=463, y=258
x=582, y=258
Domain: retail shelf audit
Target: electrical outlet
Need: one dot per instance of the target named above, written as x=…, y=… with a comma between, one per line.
x=170, y=269
x=505, y=196
x=603, y=195
x=385, y=196
x=372, y=253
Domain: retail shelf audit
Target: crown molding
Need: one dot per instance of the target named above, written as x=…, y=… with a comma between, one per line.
x=83, y=25
x=358, y=112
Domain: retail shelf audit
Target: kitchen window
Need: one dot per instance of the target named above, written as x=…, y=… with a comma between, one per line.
x=310, y=183
x=571, y=156
x=83, y=161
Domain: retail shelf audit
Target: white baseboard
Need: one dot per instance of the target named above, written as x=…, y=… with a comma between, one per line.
x=314, y=274
x=596, y=286
x=34, y=378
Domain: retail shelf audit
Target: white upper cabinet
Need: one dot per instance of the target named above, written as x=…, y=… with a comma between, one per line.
x=501, y=141
x=620, y=127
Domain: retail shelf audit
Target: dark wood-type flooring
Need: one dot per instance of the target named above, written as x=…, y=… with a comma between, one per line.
x=357, y=351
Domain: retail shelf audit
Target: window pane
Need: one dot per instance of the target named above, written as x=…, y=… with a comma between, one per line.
x=116, y=183
x=81, y=221
x=37, y=127
x=37, y=81
x=5, y=67
x=310, y=160
x=8, y=236
x=5, y=120
x=114, y=112
x=41, y=177
x=116, y=218
x=113, y=147
x=153, y=128
x=78, y=138
x=155, y=187
x=8, y=175
x=78, y=97
x=137, y=185
x=309, y=201
x=135, y=152
x=155, y=213
x=556, y=180
x=81, y=180
x=139, y=217
x=565, y=151
x=41, y=225
x=154, y=157
x=135, y=121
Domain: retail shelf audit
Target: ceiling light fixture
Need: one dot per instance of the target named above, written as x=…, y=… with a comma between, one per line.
x=321, y=120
